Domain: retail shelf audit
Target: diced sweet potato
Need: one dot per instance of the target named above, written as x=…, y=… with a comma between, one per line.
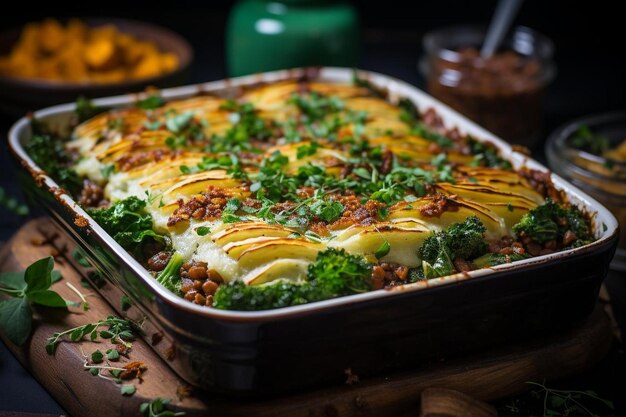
x=102, y=54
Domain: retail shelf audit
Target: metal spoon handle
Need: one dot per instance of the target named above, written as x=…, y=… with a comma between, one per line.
x=502, y=18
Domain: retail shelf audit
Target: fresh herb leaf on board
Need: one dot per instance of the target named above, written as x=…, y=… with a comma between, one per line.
x=571, y=403
x=157, y=408
x=127, y=389
x=119, y=331
x=29, y=287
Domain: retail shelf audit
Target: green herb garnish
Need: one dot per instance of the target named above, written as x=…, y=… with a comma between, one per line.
x=307, y=150
x=107, y=170
x=127, y=389
x=179, y=122
x=125, y=302
x=382, y=250
x=26, y=288
x=203, y=230
x=118, y=330
x=157, y=408
x=112, y=354
x=97, y=356
x=153, y=101
x=571, y=403
x=246, y=125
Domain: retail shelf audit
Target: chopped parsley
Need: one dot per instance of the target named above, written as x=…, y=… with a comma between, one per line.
x=153, y=101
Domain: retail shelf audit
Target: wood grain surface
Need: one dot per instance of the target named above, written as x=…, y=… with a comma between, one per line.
x=485, y=376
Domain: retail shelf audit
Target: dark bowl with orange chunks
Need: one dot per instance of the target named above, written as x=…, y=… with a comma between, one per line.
x=157, y=57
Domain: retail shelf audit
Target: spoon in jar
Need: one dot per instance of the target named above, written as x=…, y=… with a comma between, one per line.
x=506, y=10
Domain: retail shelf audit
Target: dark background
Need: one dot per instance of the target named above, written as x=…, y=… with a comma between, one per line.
x=590, y=52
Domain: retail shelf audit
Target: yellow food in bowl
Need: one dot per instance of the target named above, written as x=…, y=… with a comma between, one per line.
x=618, y=153
x=78, y=53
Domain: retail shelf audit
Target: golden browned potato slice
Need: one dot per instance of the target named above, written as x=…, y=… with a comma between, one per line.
x=367, y=240
x=279, y=248
x=244, y=231
x=290, y=269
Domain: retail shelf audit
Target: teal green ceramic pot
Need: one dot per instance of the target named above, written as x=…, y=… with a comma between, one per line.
x=270, y=35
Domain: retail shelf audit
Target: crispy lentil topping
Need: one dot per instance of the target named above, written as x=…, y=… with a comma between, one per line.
x=199, y=283
x=92, y=195
x=205, y=206
x=386, y=274
x=355, y=212
x=438, y=205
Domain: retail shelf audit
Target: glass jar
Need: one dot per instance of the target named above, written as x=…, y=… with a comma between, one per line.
x=502, y=93
x=601, y=178
x=269, y=35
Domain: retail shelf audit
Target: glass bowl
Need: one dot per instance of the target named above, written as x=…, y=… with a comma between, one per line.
x=602, y=178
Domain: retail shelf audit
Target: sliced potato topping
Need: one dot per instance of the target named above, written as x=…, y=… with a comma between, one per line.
x=292, y=168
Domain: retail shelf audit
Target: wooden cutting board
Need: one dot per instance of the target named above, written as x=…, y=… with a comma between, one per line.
x=486, y=376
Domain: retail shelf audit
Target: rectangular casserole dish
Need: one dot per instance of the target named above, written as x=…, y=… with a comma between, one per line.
x=275, y=351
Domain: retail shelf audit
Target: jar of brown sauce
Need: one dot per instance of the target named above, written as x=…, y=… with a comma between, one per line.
x=502, y=93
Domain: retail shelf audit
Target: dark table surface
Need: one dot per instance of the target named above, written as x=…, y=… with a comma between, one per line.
x=589, y=81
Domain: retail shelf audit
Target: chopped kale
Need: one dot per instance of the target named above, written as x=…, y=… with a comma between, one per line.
x=49, y=153
x=551, y=221
x=128, y=223
x=460, y=240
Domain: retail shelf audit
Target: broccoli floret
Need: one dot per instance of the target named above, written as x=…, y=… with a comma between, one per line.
x=338, y=273
x=461, y=240
x=334, y=273
x=170, y=276
x=128, y=223
x=281, y=293
x=493, y=259
x=550, y=221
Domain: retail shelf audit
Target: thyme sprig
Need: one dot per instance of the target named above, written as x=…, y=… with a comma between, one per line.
x=118, y=330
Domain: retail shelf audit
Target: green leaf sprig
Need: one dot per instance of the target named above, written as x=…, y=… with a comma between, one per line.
x=571, y=403
x=156, y=408
x=153, y=101
x=31, y=286
x=118, y=330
